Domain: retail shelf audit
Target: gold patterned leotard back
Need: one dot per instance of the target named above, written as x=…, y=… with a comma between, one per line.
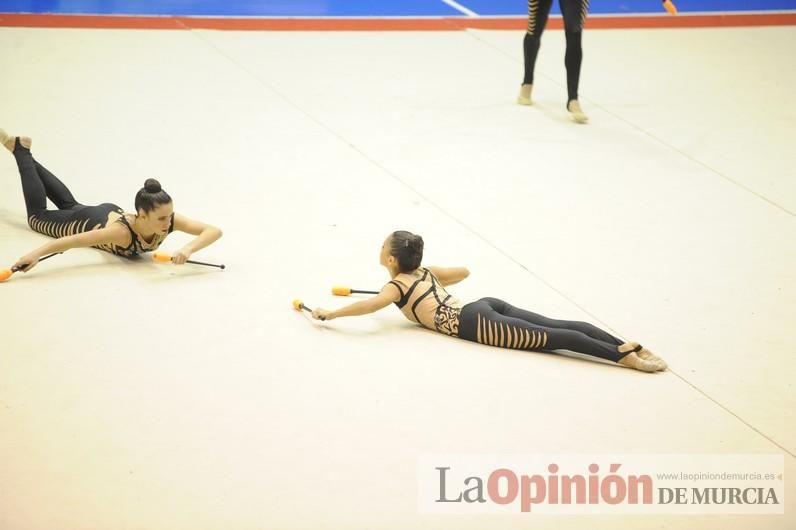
x=424, y=300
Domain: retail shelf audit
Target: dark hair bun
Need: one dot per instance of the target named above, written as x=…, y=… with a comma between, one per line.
x=152, y=186
x=408, y=249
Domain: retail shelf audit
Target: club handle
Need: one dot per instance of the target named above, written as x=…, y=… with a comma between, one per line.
x=360, y=291
x=222, y=266
x=48, y=256
x=299, y=305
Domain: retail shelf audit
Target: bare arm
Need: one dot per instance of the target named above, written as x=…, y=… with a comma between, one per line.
x=388, y=294
x=205, y=235
x=449, y=275
x=115, y=234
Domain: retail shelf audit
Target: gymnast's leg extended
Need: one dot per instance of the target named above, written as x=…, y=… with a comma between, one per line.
x=498, y=323
x=38, y=185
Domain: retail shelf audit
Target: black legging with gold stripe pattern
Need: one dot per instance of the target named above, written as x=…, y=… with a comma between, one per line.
x=495, y=322
x=574, y=13
x=38, y=185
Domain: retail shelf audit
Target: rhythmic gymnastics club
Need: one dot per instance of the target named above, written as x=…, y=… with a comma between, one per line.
x=165, y=258
x=347, y=291
x=7, y=273
x=670, y=7
x=298, y=305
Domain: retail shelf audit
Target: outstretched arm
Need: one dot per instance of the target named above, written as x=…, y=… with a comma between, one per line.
x=114, y=234
x=388, y=294
x=449, y=275
x=205, y=235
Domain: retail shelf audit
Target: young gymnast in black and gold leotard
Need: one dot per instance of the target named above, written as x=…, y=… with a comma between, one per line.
x=105, y=226
x=420, y=294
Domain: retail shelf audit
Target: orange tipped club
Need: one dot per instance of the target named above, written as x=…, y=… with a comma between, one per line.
x=339, y=290
x=5, y=274
x=166, y=258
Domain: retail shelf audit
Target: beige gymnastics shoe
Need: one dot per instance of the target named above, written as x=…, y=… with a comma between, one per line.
x=632, y=360
x=525, y=95
x=576, y=112
x=647, y=355
x=9, y=141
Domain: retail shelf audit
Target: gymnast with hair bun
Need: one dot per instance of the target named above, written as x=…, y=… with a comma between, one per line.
x=105, y=226
x=420, y=294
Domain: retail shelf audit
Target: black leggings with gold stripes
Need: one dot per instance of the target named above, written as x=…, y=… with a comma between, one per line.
x=495, y=322
x=574, y=13
x=38, y=185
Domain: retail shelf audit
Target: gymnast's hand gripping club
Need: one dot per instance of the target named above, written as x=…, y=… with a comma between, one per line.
x=165, y=258
x=298, y=305
x=7, y=273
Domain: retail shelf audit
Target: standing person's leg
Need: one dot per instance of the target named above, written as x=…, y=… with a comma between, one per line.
x=538, y=11
x=574, y=13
